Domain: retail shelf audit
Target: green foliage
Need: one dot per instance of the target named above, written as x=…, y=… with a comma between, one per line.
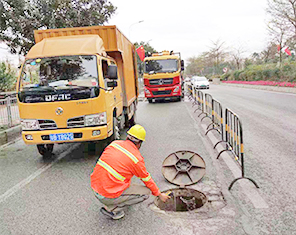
x=148, y=48
x=19, y=18
x=225, y=76
x=267, y=72
x=146, y=45
x=7, y=77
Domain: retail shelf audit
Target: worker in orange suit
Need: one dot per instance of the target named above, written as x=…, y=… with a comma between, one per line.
x=111, y=177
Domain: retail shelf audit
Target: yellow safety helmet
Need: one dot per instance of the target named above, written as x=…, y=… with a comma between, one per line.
x=138, y=132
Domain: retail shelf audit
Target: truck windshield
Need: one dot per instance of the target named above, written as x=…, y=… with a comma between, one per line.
x=161, y=66
x=59, y=72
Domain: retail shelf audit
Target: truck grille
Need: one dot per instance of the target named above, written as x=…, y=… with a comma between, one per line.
x=47, y=124
x=163, y=81
x=75, y=122
x=168, y=92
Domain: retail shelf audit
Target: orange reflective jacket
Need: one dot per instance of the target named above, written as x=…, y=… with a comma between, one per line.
x=119, y=162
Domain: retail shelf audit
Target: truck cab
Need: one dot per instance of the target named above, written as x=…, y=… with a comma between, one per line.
x=77, y=88
x=163, y=76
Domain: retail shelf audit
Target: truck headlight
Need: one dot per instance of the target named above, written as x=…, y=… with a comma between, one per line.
x=176, y=89
x=147, y=92
x=30, y=124
x=95, y=119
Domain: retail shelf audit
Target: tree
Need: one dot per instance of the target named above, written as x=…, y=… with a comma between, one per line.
x=148, y=49
x=269, y=53
x=279, y=32
x=18, y=18
x=217, y=53
x=196, y=65
x=7, y=77
x=237, y=56
x=283, y=11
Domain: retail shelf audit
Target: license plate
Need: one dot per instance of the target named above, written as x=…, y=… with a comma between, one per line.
x=61, y=137
x=161, y=89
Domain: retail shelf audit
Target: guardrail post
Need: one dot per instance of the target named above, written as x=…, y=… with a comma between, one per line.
x=194, y=96
x=234, y=143
x=208, y=107
x=8, y=106
x=217, y=119
x=240, y=149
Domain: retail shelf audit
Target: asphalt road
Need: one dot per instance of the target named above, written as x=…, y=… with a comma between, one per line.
x=55, y=197
x=269, y=140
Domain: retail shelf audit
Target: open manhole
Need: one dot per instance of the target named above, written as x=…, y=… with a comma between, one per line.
x=182, y=199
x=183, y=168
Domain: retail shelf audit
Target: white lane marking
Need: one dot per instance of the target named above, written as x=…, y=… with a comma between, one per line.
x=26, y=181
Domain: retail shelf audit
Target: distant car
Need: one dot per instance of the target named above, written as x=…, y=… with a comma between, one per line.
x=187, y=79
x=200, y=82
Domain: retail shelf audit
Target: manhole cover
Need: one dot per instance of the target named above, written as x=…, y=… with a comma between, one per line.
x=183, y=168
x=182, y=200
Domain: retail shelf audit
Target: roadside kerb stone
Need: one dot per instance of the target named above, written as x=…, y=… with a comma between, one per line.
x=10, y=134
x=267, y=88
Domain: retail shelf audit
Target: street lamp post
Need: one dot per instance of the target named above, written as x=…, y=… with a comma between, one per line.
x=129, y=31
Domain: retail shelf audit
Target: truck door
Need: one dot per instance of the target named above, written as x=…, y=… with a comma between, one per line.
x=113, y=96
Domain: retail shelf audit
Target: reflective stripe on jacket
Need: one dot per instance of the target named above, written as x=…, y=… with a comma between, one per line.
x=119, y=162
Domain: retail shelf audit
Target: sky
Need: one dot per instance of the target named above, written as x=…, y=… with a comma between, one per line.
x=5, y=55
x=189, y=26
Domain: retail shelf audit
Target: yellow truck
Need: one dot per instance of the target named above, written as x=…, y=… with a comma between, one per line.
x=77, y=85
x=163, y=76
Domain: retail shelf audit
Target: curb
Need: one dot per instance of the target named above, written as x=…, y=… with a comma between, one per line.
x=267, y=88
x=10, y=135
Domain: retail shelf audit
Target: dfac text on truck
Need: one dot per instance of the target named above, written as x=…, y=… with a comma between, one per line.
x=163, y=76
x=77, y=84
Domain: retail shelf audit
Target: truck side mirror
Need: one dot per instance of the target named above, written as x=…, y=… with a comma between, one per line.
x=182, y=65
x=112, y=72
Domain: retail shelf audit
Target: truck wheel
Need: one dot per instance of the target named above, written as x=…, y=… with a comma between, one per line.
x=179, y=98
x=133, y=120
x=150, y=101
x=45, y=150
x=116, y=131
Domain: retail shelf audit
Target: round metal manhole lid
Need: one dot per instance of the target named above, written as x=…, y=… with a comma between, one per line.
x=183, y=168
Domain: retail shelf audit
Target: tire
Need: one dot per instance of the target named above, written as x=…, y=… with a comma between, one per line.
x=179, y=98
x=116, y=131
x=150, y=101
x=45, y=150
x=133, y=120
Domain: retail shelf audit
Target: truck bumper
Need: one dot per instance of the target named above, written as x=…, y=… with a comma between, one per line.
x=159, y=93
x=80, y=135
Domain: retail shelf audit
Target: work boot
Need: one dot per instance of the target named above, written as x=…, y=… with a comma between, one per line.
x=114, y=215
